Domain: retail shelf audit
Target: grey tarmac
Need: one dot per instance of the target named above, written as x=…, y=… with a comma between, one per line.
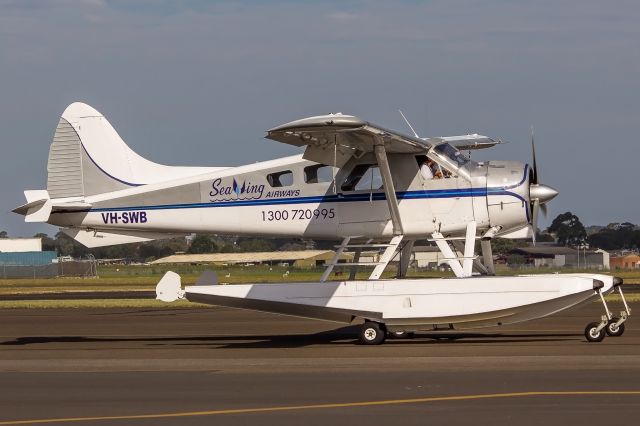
x=224, y=366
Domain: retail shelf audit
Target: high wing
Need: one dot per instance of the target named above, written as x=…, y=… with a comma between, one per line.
x=332, y=139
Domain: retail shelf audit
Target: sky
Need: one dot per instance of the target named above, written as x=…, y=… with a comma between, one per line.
x=199, y=83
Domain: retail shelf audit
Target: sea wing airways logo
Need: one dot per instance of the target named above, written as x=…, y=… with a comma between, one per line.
x=235, y=191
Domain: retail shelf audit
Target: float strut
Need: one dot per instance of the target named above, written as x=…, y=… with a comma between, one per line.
x=606, y=308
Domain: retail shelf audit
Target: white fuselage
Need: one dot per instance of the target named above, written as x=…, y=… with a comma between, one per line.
x=284, y=198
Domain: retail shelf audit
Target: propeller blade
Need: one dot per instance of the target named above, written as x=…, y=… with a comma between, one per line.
x=534, y=219
x=534, y=179
x=543, y=208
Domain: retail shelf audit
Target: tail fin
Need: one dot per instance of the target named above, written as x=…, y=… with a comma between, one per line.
x=88, y=157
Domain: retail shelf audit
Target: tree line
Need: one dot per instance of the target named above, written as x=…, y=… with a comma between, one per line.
x=148, y=251
x=569, y=231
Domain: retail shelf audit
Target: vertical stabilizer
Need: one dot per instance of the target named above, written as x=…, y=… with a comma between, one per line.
x=88, y=157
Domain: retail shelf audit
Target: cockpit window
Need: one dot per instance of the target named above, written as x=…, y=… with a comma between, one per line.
x=448, y=151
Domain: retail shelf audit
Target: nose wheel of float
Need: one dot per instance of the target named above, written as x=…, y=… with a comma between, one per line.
x=608, y=325
x=615, y=327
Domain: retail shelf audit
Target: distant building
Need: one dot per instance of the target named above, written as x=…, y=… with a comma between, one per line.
x=24, y=252
x=564, y=257
x=28, y=258
x=20, y=245
x=545, y=255
x=24, y=258
x=589, y=259
x=426, y=257
x=628, y=261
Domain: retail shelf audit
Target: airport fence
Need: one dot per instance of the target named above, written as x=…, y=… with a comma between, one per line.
x=76, y=268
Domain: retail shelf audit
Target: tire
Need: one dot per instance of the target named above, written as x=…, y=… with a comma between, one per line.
x=612, y=330
x=372, y=333
x=591, y=335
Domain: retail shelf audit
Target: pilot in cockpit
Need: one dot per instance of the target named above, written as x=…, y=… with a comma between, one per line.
x=429, y=169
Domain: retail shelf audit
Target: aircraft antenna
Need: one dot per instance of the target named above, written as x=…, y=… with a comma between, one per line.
x=408, y=124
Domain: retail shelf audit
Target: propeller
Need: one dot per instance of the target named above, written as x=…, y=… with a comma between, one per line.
x=539, y=194
x=534, y=178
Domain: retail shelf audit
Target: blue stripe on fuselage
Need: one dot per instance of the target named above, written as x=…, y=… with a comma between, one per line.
x=338, y=198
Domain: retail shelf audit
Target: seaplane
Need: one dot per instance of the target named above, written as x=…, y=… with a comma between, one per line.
x=356, y=182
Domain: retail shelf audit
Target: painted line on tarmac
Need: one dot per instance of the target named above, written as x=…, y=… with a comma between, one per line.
x=324, y=406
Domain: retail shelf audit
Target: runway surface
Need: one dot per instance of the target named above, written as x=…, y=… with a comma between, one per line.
x=224, y=366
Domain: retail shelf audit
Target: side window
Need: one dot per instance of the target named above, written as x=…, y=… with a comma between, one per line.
x=318, y=174
x=279, y=179
x=363, y=177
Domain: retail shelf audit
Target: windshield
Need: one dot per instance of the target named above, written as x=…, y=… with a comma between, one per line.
x=452, y=154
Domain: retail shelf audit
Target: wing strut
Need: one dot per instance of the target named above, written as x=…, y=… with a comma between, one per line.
x=389, y=189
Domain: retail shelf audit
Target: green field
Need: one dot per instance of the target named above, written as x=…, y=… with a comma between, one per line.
x=127, y=278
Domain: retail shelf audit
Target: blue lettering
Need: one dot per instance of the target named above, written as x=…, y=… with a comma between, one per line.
x=125, y=217
x=236, y=190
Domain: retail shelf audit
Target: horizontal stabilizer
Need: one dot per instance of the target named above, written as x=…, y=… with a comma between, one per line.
x=38, y=206
x=93, y=239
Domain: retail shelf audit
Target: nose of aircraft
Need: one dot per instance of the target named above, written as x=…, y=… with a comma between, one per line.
x=542, y=193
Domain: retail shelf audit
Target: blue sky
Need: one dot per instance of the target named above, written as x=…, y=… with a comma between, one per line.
x=198, y=83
